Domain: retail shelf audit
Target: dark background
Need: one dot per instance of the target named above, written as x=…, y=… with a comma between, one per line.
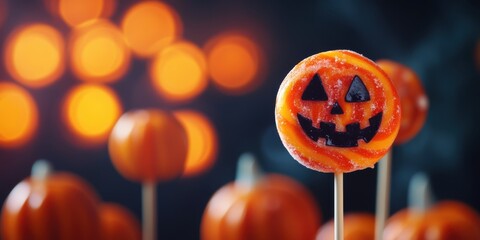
x=436, y=38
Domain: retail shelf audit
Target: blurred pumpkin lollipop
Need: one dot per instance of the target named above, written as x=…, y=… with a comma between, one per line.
x=148, y=146
x=414, y=105
x=50, y=206
x=337, y=112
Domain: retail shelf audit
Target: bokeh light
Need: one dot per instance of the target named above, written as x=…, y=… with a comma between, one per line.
x=202, y=141
x=75, y=12
x=179, y=72
x=19, y=116
x=148, y=26
x=90, y=111
x=34, y=55
x=98, y=52
x=233, y=62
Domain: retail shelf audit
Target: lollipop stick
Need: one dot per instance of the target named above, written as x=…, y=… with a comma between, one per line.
x=338, y=208
x=383, y=193
x=149, y=208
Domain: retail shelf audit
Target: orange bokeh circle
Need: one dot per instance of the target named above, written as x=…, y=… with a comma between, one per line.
x=34, y=55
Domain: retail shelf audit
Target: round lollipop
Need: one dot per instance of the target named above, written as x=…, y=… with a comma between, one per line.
x=337, y=112
x=118, y=223
x=148, y=146
x=49, y=206
x=414, y=105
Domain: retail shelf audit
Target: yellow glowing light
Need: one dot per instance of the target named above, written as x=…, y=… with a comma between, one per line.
x=34, y=55
x=98, y=52
x=202, y=141
x=148, y=26
x=233, y=62
x=91, y=111
x=179, y=72
x=18, y=112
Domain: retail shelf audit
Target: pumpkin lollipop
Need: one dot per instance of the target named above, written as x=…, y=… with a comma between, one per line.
x=414, y=105
x=358, y=226
x=50, y=206
x=118, y=223
x=148, y=146
x=258, y=206
x=337, y=112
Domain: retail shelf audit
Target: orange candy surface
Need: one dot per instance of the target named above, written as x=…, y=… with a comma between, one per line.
x=413, y=100
x=444, y=221
x=357, y=226
x=275, y=208
x=148, y=146
x=118, y=223
x=61, y=206
x=337, y=111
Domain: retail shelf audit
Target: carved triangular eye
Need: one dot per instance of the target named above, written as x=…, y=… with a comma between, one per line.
x=357, y=92
x=315, y=90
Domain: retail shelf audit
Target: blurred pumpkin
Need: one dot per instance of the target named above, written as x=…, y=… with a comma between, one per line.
x=148, y=146
x=357, y=226
x=118, y=223
x=258, y=207
x=448, y=220
x=51, y=206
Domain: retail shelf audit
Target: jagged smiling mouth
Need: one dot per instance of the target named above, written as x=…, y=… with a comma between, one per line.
x=349, y=138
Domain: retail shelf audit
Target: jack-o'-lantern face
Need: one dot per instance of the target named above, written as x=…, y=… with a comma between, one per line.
x=337, y=111
x=356, y=93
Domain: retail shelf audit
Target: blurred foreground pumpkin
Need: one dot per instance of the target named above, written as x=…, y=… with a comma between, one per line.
x=118, y=223
x=357, y=226
x=58, y=206
x=260, y=207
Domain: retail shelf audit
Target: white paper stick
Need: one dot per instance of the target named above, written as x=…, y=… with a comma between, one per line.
x=383, y=194
x=149, y=208
x=338, y=206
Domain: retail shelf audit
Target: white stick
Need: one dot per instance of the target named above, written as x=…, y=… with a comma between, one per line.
x=383, y=194
x=338, y=206
x=149, y=208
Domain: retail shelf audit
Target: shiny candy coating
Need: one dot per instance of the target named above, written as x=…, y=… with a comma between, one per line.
x=413, y=100
x=276, y=207
x=61, y=206
x=337, y=111
x=148, y=146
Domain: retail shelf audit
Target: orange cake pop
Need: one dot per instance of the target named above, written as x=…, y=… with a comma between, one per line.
x=337, y=111
x=413, y=100
x=148, y=146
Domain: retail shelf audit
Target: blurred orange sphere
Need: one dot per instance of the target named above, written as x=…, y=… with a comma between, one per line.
x=98, y=52
x=234, y=62
x=413, y=100
x=118, y=223
x=276, y=207
x=179, y=71
x=445, y=221
x=60, y=206
x=76, y=12
x=19, y=115
x=35, y=55
x=90, y=111
x=148, y=146
x=357, y=226
x=149, y=26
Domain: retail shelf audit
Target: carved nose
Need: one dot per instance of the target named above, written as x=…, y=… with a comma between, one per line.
x=336, y=109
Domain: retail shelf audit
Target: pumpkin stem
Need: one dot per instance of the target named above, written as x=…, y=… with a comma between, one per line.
x=41, y=169
x=420, y=196
x=248, y=171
